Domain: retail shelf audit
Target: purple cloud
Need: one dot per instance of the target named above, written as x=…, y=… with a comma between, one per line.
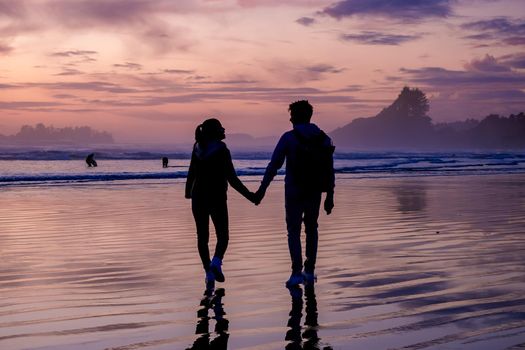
x=66, y=96
x=486, y=64
x=295, y=72
x=514, y=60
x=498, y=24
x=128, y=65
x=507, y=95
x=405, y=10
x=377, y=38
x=69, y=71
x=178, y=71
x=73, y=53
x=27, y=104
x=305, y=21
x=229, y=82
x=515, y=41
x=511, y=32
x=300, y=3
x=483, y=36
x=324, y=68
x=453, y=79
x=234, y=93
x=99, y=86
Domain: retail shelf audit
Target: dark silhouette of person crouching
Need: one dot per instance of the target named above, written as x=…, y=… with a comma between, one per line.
x=210, y=171
x=90, y=160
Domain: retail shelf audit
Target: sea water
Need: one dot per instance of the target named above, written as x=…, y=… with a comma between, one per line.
x=22, y=167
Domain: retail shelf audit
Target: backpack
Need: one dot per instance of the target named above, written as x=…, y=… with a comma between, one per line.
x=313, y=169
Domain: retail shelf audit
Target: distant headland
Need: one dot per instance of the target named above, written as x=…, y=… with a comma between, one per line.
x=405, y=125
x=49, y=135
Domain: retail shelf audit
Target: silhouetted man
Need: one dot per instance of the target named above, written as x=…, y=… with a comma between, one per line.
x=309, y=172
x=165, y=162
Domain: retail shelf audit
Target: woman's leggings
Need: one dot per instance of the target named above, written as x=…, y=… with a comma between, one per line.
x=218, y=211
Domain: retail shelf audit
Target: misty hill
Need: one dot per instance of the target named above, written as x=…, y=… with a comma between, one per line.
x=405, y=125
x=49, y=135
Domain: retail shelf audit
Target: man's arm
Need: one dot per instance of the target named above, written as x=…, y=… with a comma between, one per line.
x=277, y=161
x=329, y=200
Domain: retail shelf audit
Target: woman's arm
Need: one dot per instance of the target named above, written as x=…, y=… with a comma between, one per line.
x=233, y=179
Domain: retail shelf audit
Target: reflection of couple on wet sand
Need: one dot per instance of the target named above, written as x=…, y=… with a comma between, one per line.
x=303, y=337
x=298, y=337
x=308, y=152
x=211, y=300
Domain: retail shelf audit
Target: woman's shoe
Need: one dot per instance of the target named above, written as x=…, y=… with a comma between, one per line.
x=294, y=280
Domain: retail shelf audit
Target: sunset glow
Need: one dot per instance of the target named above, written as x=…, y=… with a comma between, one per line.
x=149, y=71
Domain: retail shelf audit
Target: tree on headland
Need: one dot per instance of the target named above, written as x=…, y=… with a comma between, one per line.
x=404, y=124
x=411, y=103
x=495, y=131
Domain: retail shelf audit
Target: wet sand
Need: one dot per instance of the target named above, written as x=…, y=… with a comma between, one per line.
x=404, y=263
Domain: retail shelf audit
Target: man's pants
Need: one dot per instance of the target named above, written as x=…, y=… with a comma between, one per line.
x=300, y=210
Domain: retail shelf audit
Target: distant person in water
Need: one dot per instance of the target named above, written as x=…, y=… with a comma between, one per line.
x=210, y=171
x=90, y=160
x=308, y=152
x=165, y=161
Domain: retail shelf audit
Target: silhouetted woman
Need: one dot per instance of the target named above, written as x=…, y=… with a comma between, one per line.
x=211, y=169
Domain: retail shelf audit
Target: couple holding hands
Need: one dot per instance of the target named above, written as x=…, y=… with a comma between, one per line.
x=308, y=152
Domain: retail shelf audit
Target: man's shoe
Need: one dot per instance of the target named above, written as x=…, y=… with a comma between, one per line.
x=309, y=277
x=294, y=280
x=215, y=267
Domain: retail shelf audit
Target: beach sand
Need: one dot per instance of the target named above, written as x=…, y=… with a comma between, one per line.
x=412, y=263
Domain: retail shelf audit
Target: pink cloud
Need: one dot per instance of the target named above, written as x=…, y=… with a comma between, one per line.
x=271, y=3
x=5, y=49
x=12, y=9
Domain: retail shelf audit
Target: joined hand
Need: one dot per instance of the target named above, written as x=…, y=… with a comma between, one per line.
x=254, y=198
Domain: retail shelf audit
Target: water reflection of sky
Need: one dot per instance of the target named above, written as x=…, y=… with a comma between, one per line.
x=409, y=262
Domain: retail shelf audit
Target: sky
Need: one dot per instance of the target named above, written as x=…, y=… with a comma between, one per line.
x=149, y=71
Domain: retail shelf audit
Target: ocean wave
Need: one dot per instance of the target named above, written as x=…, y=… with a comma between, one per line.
x=391, y=169
x=81, y=155
x=90, y=177
x=116, y=154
